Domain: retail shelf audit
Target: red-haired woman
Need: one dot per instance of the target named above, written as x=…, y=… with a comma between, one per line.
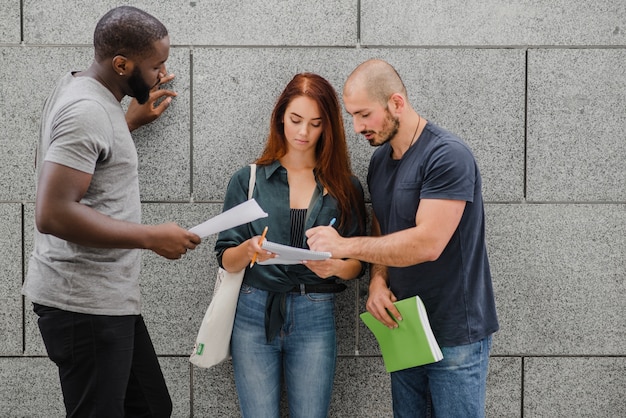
x=285, y=324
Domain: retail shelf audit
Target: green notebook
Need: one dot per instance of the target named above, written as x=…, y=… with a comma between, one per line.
x=412, y=343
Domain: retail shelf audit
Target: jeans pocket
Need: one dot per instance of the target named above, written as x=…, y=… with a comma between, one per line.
x=320, y=297
x=247, y=289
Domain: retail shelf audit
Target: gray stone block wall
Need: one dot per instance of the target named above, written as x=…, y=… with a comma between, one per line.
x=535, y=87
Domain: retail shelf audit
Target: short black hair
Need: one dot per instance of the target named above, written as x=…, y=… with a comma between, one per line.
x=127, y=31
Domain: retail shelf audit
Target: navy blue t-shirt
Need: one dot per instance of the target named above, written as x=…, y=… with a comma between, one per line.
x=456, y=288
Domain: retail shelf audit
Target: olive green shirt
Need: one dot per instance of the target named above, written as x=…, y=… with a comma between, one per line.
x=272, y=193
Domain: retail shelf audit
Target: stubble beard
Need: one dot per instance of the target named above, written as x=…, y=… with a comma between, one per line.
x=387, y=133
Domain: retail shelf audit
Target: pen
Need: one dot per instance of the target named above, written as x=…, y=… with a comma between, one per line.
x=260, y=243
x=332, y=222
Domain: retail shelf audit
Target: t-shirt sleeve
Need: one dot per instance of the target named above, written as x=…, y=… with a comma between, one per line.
x=450, y=173
x=81, y=136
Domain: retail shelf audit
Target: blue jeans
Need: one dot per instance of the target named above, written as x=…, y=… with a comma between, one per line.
x=304, y=353
x=452, y=388
x=107, y=364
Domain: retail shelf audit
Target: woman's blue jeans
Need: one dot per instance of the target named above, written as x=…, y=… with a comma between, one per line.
x=454, y=387
x=304, y=352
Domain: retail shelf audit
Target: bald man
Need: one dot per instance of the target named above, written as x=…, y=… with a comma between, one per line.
x=428, y=239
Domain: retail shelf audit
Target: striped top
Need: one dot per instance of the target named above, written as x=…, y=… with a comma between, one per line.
x=298, y=216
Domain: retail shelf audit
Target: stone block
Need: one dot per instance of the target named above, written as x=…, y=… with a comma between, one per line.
x=492, y=23
x=576, y=124
x=25, y=88
x=504, y=387
x=574, y=386
x=29, y=387
x=258, y=22
x=9, y=25
x=10, y=278
x=214, y=392
x=235, y=91
x=362, y=388
x=175, y=294
x=163, y=146
x=345, y=319
x=478, y=94
x=177, y=374
x=559, y=278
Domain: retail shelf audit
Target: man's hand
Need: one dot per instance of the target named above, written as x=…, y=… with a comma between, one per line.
x=326, y=238
x=171, y=241
x=380, y=304
x=138, y=115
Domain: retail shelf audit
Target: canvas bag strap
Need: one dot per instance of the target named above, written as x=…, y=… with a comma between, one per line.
x=252, y=180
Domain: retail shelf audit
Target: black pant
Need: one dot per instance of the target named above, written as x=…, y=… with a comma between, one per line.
x=107, y=364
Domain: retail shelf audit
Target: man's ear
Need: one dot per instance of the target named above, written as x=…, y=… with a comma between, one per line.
x=396, y=103
x=122, y=65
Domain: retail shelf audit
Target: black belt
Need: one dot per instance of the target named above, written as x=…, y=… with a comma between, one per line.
x=319, y=288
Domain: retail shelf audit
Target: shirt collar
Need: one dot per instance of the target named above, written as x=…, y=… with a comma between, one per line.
x=271, y=169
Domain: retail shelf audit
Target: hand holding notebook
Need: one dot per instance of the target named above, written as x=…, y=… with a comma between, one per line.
x=412, y=343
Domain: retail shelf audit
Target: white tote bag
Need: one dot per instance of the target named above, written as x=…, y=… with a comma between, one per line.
x=213, y=340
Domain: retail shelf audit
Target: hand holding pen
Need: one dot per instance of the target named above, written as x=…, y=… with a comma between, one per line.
x=326, y=238
x=254, y=257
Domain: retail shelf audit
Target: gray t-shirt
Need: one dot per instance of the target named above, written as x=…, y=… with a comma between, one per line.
x=84, y=127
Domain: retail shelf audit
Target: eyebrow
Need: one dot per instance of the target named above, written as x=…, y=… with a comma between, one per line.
x=295, y=114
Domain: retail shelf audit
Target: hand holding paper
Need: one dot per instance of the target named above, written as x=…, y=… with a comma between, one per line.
x=260, y=242
x=243, y=213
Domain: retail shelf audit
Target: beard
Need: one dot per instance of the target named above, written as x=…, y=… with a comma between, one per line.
x=387, y=133
x=140, y=90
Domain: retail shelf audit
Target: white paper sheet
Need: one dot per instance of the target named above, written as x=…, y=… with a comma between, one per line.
x=291, y=255
x=243, y=213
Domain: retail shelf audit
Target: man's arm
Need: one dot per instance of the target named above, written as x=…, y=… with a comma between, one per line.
x=58, y=211
x=435, y=222
x=380, y=299
x=378, y=272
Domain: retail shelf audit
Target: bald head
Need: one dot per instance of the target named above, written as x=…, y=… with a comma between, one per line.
x=377, y=78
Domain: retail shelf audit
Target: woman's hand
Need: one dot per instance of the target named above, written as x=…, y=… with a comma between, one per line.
x=325, y=268
x=254, y=247
x=344, y=269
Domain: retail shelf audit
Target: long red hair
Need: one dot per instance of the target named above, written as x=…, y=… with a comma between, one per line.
x=332, y=166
